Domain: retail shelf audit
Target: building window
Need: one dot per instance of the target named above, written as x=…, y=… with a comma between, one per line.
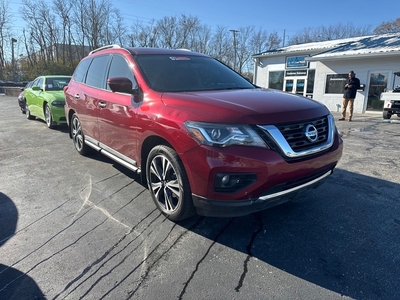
x=310, y=81
x=276, y=80
x=335, y=83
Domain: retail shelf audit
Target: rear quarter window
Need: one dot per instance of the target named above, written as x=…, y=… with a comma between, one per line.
x=81, y=70
x=96, y=75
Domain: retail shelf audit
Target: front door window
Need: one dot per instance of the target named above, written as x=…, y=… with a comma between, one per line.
x=300, y=86
x=289, y=85
x=295, y=86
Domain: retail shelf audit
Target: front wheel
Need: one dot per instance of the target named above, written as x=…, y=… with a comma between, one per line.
x=168, y=183
x=48, y=117
x=77, y=136
x=28, y=113
x=386, y=115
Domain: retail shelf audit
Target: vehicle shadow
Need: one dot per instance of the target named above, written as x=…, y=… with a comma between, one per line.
x=60, y=127
x=343, y=236
x=14, y=284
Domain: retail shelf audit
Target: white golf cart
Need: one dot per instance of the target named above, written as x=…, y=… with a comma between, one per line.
x=392, y=100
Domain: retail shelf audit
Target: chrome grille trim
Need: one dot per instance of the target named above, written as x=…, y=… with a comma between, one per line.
x=276, y=135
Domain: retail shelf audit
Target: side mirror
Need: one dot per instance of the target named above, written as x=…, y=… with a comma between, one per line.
x=120, y=84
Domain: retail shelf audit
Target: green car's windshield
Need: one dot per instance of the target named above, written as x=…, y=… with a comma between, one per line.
x=166, y=73
x=56, y=83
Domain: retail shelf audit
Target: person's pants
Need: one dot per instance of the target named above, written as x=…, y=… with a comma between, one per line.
x=350, y=103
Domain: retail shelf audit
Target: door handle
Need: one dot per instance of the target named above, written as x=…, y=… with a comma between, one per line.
x=102, y=104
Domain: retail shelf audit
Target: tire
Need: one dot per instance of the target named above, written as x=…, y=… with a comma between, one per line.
x=28, y=113
x=48, y=117
x=78, y=138
x=386, y=115
x=168, y=184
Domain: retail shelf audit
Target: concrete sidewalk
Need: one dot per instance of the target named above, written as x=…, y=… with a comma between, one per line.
x=368, y=116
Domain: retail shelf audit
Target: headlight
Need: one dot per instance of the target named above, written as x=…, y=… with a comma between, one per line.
x=223, y=135
x=58, y=103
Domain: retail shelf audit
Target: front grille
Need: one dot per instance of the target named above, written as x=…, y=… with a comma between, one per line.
x=294, y=134
x=300, y=139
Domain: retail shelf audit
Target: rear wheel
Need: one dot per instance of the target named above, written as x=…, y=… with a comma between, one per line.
x=77, y=136
x=386, y=115
x=168, y=183
x=48, y=117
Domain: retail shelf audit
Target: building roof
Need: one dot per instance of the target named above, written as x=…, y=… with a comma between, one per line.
x=385, y=44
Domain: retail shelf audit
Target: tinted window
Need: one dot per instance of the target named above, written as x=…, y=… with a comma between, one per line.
x=120, y=68
x=335, y=83
x=97, y=71
x=40, y=82
x=275, y=80
x=166, y=73
x=81, y=69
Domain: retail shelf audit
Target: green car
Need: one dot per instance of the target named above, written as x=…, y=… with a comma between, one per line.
x=45, y=99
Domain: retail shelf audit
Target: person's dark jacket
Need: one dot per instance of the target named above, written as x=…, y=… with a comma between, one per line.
x=350, y=92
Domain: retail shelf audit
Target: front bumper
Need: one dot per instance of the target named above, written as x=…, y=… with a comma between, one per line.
x=217, y=208
x=58, y=114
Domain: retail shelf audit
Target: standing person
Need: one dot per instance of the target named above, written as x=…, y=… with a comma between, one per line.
x=350, y=91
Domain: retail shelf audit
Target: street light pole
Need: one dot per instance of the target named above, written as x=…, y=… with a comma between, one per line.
x=12, y=58
x=234, y=45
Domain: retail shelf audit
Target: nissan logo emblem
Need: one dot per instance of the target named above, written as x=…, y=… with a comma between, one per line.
x=311, y=133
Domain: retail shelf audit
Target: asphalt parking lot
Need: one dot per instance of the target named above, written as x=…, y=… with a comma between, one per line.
x=74, y=227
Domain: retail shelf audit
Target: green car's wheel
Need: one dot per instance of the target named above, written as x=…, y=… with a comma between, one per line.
x=48, y=117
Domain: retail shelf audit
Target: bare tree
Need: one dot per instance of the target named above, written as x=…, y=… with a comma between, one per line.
x=5, y=24
x=221, y=46
x=388, y=27
x=202, y=39
x=42, y=28
x=187, y=27
x=62, y=9
x=326, y=33
x=142, y=35
x=167, y=28
x=261, y=41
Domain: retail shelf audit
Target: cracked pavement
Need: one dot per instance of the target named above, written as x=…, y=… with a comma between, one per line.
x=74, y=227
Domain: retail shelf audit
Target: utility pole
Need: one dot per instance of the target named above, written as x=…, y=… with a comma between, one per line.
x=284, y=37
x=234, y=45
x=12, y=58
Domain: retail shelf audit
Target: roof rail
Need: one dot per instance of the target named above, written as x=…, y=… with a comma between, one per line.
x=104, y=47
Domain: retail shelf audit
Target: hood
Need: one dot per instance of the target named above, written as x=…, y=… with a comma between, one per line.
x=57, y=95
x=247, y=106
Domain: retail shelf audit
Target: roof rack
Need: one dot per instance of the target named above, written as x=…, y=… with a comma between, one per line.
x=104, y=47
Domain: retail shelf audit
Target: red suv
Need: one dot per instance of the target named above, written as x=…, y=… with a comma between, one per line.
x=203, y=137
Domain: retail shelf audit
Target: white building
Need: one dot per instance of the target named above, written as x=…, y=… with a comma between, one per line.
x=319, y=70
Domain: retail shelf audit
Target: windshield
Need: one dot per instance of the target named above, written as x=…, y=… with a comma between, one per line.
x=56, y=83
x=166, y=73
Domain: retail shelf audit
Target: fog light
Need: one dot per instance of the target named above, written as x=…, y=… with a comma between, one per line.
x=225, y=179
x=233, y=182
